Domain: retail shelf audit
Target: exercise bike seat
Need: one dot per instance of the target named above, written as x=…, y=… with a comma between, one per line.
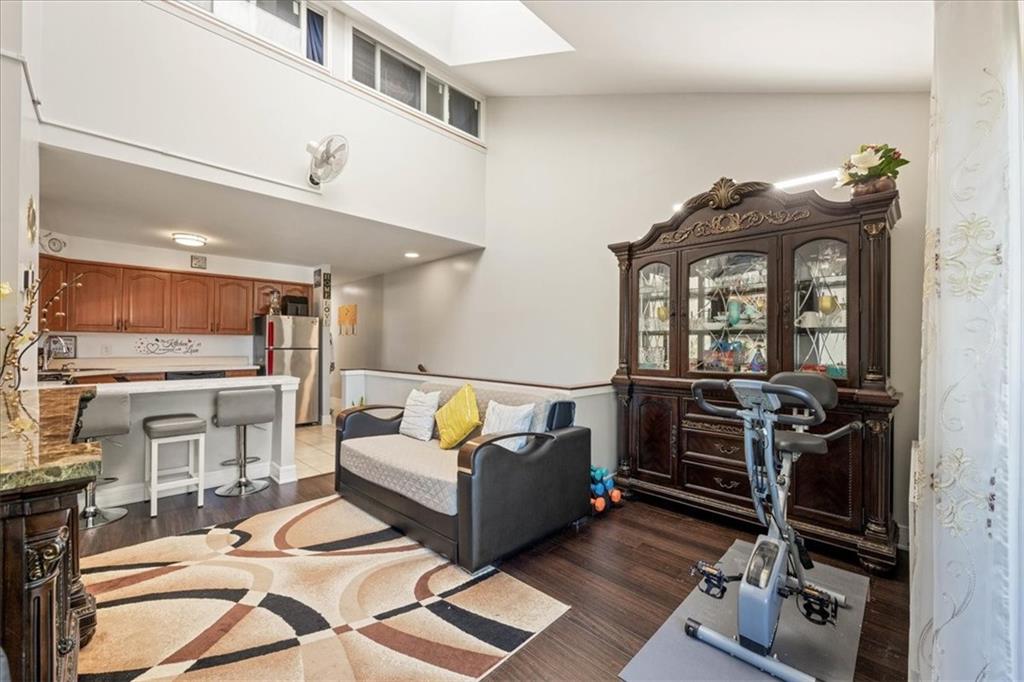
x=822, y=388
x=800, y=442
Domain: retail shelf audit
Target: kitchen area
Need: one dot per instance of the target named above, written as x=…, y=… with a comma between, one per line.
x=171, y=339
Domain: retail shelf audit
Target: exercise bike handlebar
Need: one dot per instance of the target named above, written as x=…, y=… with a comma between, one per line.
x=698, y=387
x=816, y=411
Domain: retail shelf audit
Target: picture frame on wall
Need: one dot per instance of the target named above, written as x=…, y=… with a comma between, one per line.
x=198, y=262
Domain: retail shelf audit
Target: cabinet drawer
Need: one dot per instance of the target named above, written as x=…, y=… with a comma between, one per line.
x=705, y=479
x=713, y=445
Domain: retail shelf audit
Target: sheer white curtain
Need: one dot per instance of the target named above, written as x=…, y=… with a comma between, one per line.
x=965, y=501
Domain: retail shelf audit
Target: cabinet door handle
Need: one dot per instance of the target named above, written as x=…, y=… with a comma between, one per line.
x=726, y=449
x=726, y=486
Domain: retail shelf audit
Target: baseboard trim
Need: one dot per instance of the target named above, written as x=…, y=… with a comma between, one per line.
x=286, y=474
x=129, y=493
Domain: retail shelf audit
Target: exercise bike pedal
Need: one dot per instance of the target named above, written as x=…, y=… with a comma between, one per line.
x=713, y=579
x=801, y=550
x=817, y=607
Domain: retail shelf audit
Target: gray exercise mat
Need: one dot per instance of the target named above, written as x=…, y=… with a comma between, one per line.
x=828, y=652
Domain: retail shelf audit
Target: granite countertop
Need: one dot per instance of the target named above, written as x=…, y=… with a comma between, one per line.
x=36, y=427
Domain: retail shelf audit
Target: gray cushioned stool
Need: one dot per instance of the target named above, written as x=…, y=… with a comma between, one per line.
x=175, y=428
x=102, y=417
x=240, y=408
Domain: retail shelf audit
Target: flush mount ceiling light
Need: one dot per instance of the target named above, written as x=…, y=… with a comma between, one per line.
x=188, y=239
x=411, y=254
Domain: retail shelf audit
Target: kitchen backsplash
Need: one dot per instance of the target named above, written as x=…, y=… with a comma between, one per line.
x=161, y=345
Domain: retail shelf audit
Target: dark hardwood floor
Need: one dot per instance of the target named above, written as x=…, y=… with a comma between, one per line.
x=623, y=574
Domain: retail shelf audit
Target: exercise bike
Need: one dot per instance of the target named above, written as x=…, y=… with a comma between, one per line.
x=775, y=570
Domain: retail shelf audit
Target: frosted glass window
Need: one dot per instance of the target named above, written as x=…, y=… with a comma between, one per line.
x=364, y=60
x=399, y=80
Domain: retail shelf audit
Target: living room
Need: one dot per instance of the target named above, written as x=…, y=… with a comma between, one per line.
x=286, y=270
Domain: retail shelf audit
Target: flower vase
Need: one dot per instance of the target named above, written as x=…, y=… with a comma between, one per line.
x=873, y=186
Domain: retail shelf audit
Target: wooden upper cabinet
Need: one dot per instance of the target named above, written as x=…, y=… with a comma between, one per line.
x=261, y=296
x=263, y=290
x=95, y=305
x=232, y=306
x=52, y=273
x=147, y=301
x=192, y=303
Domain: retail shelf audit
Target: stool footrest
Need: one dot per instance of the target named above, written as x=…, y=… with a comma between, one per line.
x=248, y=460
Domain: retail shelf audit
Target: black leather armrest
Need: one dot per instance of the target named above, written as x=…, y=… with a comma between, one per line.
x=469, y=449
x=357, y=422
x=508, y=500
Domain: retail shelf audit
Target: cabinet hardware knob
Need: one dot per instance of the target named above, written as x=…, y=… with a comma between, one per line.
x=726, y=486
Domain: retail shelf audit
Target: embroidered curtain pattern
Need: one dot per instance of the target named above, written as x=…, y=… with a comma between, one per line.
x=965, y=489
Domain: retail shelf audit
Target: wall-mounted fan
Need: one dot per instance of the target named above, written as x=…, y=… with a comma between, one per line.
x=327, y=158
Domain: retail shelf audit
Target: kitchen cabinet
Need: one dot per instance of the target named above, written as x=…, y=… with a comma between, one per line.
x=232, y=306
x=52, y=273
x=123, y=298
x=263, y=290
x=192, y=303
x=147, y=301
x=94, y=304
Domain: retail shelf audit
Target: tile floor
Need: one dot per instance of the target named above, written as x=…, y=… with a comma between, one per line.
x=314, y=450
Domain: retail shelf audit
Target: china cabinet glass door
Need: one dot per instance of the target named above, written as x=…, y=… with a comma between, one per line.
x=822, y=279
x=729, y=297
x=653, y=352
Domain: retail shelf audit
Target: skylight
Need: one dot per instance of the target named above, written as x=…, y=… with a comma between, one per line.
x=460, y=32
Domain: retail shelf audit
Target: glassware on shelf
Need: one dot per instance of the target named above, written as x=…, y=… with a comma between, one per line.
x=654, y=317
x=727, y=313
x=819, y=308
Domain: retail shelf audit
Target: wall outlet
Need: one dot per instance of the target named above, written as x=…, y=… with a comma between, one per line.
x=105, y=350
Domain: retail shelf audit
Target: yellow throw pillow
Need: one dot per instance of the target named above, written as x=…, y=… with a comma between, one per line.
x=458, y=418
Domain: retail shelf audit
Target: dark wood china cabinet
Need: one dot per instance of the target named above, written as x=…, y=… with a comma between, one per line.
x=745, y=281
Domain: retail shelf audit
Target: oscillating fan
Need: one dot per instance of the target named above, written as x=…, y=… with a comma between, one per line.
x=327, y=158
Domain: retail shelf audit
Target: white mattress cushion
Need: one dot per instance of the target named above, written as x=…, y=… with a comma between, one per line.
x=501, y=418
x=418, y=418
x=419, y=470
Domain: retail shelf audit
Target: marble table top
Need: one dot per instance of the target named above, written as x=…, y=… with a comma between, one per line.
x=36, y=427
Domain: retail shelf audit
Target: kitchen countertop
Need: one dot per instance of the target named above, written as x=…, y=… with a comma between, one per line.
x=287, y=383
x=36, y=427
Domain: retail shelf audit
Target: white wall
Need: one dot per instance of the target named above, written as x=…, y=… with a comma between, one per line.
x=19, y=169
x=163, y=77
x=568, y=175
x=96, y=345
x=362, y=349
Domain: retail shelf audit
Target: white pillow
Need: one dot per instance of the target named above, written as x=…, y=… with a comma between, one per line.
x=418, y=419
x=501, y=418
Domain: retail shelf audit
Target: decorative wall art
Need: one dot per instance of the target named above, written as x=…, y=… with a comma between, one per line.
x=198, y=262
x=167, y=346
x=62, y=346
x=348, y=316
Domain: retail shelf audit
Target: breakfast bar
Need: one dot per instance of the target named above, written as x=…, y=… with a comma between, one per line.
x=124, y=456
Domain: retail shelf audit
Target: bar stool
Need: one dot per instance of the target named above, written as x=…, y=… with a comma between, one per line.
x=102, y=417
x=175, y=428
x=240, y=408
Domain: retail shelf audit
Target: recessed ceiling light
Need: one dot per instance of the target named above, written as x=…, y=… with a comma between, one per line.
x=187, y=239
x=411, y=254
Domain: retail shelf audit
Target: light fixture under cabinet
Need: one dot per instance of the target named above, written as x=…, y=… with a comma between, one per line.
x=188, y=239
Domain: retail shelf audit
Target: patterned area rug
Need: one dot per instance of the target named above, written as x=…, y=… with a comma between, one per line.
x=319, y=590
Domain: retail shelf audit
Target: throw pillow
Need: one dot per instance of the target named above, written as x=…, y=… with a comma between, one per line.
x=418, y=419
x=458, y=418
x=501, y=418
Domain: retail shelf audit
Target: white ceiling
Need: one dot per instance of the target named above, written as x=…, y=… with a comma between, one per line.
x=95, y=197
x=728, y=46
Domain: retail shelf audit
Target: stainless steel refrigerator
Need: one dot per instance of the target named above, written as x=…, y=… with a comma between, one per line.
x=286, y=345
